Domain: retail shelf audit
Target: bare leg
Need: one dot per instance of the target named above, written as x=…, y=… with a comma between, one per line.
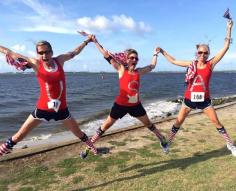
x=146, y=121
x=28, y=125
x=108, y=123
x=183, y=113
x=72, y=125
x=210, y=112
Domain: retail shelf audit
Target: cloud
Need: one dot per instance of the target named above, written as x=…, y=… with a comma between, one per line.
x=116, y=23
x=31, y=53
x=4, y=67
x=18, y=48
x=230, y=57
x=46, y=19
x=49, y=28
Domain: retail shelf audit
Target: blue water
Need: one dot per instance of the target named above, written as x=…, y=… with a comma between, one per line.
x=90, y=93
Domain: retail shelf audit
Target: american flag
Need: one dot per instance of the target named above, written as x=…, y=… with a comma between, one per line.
x=191, y=71
x=120, y=57
x=83, y=33
x=19, y=63
x=227, y=14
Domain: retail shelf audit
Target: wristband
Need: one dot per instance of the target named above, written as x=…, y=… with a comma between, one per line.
x=229, y=39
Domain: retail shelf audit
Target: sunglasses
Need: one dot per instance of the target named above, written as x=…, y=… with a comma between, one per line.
x=133, y=58
x=44, y=52
x=201, y=52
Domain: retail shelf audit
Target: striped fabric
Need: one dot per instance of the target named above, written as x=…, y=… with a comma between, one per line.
x=171, y=137
x=172, y=134
x=98, y=135
x=7, y=146
x=83, y=33
x=95, y=138
x=191, y=71
x=91, y=146
x=225, y=135
x=19, y=63
x=227, y=138
x=4, y=149
x=227, y=14
x=120, y=57
x=156, y=132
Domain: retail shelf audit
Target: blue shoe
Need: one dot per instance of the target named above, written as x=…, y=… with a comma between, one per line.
x=84, y=154
x=164, y=145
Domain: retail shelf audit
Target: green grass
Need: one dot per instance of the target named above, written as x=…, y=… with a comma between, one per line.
x=116, y=143
x=138, y=169
x=77, y=179
x=196, y=162
x=68, y=166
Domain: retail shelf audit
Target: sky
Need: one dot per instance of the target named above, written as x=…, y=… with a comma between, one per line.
x=175, y=25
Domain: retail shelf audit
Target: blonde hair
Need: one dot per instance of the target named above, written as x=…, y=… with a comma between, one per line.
x=203, y=45
x=131, y=51
x=43, y=42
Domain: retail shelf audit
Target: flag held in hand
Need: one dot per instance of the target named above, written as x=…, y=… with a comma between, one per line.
x=83, y=33
x=227, y=14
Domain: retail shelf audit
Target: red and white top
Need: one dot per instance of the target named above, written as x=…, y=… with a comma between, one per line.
x=200, y=83
x=129, y=89
x=52, y=86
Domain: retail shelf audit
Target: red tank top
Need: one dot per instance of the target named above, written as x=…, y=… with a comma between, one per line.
x=52, y=86
x=200, y=83
x=129, y=89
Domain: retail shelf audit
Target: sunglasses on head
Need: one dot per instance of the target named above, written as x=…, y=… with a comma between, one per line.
x=201, y=52
x=133, y=58
x=44, y=52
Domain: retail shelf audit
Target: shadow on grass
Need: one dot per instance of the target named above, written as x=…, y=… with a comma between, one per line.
x=181, y=163
x=103, y=150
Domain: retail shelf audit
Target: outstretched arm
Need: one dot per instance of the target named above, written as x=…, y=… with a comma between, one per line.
x=222, y=52
x=31, y=61
x=150, y=67
x=69, y=55
x=173, y=60
x=106, y=55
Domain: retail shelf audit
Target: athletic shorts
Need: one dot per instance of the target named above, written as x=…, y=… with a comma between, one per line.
x=119, y=111
x=197, y=105
x=48, y=115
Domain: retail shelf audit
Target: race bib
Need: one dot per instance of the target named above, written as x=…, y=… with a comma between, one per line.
x=133, y=99
x=197, y=96
x=54, y=104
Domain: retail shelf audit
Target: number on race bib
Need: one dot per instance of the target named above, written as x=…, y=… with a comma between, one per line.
x=197, y=96
x=54, y=104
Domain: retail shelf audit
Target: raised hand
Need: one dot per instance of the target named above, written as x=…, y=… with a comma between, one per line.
x=157, y=50
x=230, y=23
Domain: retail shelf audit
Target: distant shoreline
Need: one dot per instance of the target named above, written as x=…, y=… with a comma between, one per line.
x=106, y=72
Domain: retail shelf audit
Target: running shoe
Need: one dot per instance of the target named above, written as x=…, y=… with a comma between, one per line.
x=84, y=154
x=164, y=145
x=232, y=148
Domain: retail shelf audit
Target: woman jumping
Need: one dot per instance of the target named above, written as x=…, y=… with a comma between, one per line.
x=52, y=102
x=128, y=101
x=197, y=94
